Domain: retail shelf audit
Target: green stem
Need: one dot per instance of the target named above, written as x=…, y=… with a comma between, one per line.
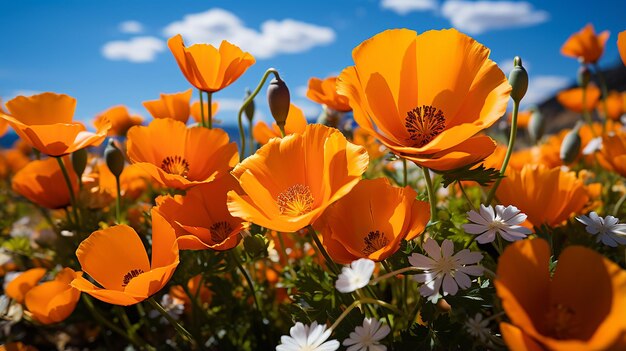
x=210, y=109
x=251, y=134
x=586, y=115
x=431, y=194
x=73, y=202
x=318, y=243
x=179, y=328
x=605, y=94
x=251, y=97
x=362, y=301
x=618, y=205
x=465, y=195
x=248, y=280
x=393, y=274
x=405, y=173
x=509, y=152
x=202, y=119
x=118, y=201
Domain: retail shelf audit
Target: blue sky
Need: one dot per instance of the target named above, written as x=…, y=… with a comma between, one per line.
x=114, y=52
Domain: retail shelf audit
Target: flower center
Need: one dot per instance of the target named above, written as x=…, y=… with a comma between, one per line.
x=374, y=241
x=176, y=165
x=560, y=320
x=220, y=231
x=295, y=201
x=424, y=124
x=130, y=275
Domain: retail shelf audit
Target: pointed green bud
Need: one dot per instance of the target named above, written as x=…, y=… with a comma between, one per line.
x=570, y=148
x=255, y=245
x=249, y=110
x=79, y=161
x=518, y=78
x=536, y=125
x=584, y=76
x=114, y=158
x=279, y=100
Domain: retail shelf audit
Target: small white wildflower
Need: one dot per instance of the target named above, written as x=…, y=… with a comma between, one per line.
x=356, y=276
x=608, y=229
x=593, y=145
x=504, y=221
x=174, y=307
x=307, y=338
x=368, y=336
x=444, y=269
x=478, y=327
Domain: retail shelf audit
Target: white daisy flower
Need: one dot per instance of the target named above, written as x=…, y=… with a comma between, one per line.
x=593, y=146
x=174, y=307
x=356, y=276
x=444, y=269
x=368, y=336
x=478, y=327
x=307, y=338
x=504, y=221
x=608, y=229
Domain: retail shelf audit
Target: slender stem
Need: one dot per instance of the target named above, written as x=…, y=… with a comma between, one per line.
x=318, y=243
x=210, y=109
x=405, y=173
x=202, y=119
x=282, y=130
x=465, y=195
x=618, y=205
x=393, y=274
x=360, y=302
x=251, y=97
x=118, y=201
x=66, y=176
x=179, y=328
x=586, y=115
x=509, y=152
x=605, y=94
x=248, y=279
x=431, y=194
x=251, y=134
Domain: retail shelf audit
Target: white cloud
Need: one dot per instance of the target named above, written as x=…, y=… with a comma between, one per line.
x=273, y=38
x=310, y=109
x=138, y=49
x=541, y=88
x=403, y=7
x=475, y=17
x=301, y=90
x=131, y=27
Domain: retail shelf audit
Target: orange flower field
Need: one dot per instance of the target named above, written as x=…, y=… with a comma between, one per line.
x=427, y=208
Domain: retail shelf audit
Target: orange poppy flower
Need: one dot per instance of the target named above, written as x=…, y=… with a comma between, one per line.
x=134, y=181
x=11, y=161
x=289, y=182
x=585, y=44
x=580, y=307
x=615, y=105
x=54, y=301
x=201, y=218
x=523, y=118
x=612, y=156
x=572, y=99
x=324, y=91
x=17, y=346
x=179, y=157
x=426, y=96
x=121, y=120
x=4, y=125
x=373, y=147
x=296, y=122
x=208, y=68
x=45, y=122
x=203, y=293
x=621, y=45
x=174, y=106
x=23, y=283
x=371, y=221
x=546, y=196
x=197, y=115
x=117, y=260
x=42, y=182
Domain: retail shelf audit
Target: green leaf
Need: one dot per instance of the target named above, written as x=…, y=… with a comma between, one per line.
x=480, y=174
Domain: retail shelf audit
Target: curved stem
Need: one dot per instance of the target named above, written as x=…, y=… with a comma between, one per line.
x=202, y=119
x=618, y=205
x=248, y=280
x=118, y=201
x=509, y=151
x=431, y=194
x=179, y=328
x=393, y=274
x=210, y=109
x=251, y=97
x=66, y=176
x=318, y=243
x=362, y=301
x=469, y=201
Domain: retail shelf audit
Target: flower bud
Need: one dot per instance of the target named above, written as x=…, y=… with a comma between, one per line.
x=79, y=161
x=255, y=246
x=518, y=78
x=114, y=158
x=536, y=125
x=570, y=148
x=279, y=100
x=584, y=76
x=249, y=110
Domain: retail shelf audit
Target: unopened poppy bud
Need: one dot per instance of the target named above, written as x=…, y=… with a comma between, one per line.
x=570, y=148
x=584, y=76
x=114, y=158
x=249, y=110
x=536, y=125
x=279, y=100
x=255, y=246
x=79, y=161
x=518, y=78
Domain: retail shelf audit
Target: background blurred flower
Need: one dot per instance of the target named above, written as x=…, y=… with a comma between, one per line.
x=296, y=122
x=175, y=106
x=197, y=114
x=607, y=229
x=324, y=91
x=42, y=182
x=572, y=99
x=621, y=45
x=55, y=300
x=585, y=44
x=23, y=283
x=489, y=222
x=121, y=120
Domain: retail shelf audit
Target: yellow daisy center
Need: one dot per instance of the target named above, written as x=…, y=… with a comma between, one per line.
x=424, y=124
x=176, y=165
x=295, y=201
